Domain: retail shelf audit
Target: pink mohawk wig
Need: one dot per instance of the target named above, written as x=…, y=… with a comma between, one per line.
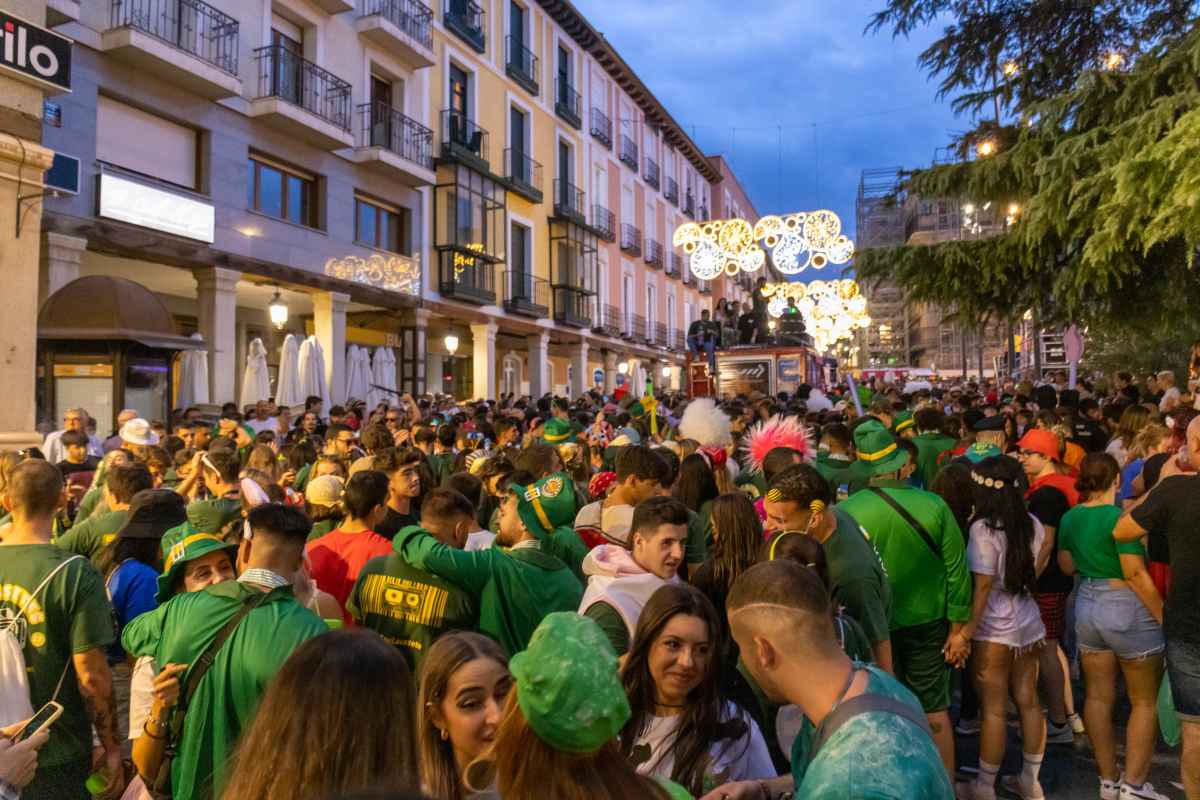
x=775, y=432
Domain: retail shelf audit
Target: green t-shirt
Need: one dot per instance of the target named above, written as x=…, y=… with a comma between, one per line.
x=857, y=577
x=70, y=615
x=92, y=501
x=839, y=471
x=564, y=544
x=408, y=607
x=612, y=623
x=89, y=537
x=699, y=532
x=442, y=465
x=1086, y=533
x=323, y=527
x=180, y=630
x=516, y=588
x=929, y=447
x=878, y=754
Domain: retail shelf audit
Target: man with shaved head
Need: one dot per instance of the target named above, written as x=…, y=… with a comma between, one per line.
x=863, y=733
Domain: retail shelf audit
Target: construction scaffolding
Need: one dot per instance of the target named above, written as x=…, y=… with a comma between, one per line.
x=880, y=222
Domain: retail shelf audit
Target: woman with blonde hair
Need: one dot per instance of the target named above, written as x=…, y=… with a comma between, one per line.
x=1151, y=440
x=464, y=687
x=1133, y=420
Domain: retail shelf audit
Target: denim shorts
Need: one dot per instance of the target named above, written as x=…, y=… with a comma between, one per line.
x=1113, y=618
x=1183, y=667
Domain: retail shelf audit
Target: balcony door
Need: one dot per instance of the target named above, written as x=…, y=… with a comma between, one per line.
x=519, y=135
x=516, y=29
x=564, y=76
x=287, y=76
x=565, y=162
x=382, y=131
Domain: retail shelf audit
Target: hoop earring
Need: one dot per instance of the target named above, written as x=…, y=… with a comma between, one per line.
x=445, y=735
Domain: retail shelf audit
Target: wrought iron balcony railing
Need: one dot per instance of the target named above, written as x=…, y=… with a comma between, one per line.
x=651, y=174
x=601, y=127
x=523, y=171
x=653, y=253
x=605, y=222
x=412, y=17
x=188, y=25
x=631, y=239
x=283, y=74
x=521, y=64
x=461, y=135
x=629, y=152
x=524, y=293
x=568, y=201
x=466, y=19
x=568, y=103
x=671, y=191
x=380, y=125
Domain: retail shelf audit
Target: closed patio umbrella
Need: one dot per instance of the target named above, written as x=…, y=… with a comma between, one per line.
x=287, y=385
x=256, y=382
x=193, y=377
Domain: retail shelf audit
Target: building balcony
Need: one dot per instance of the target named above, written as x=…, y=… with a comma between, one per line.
x=635, y=328
x=689, y=205
x=464, y=142
x=334, y=6
x=525, y=294
x=466, y=19
x=568, y=201
x=60, y=12
x=653, y=254
x=705, y=287
x=662, y=335
x=568, y=103
x=629, y=152
x=523, y=175
x=608, y=321
x=674, y=265
x=604, y=222
x=601, y=128
x=651, y=175
x=631, y=240
x=671, y=190
x=572, y=306
x=187, y=42
x=302, y=100
x=402, y=27
x=395, y=145
x=676, y=340
x=521, y=64
x=464, y=276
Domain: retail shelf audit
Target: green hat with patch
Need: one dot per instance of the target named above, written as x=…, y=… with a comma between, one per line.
x=568, y=686
x=558, y=431
x=203, y=516
x=878, y=449
x=902, y=421
x=981, y=450
x=189, y=548
x=546, y=504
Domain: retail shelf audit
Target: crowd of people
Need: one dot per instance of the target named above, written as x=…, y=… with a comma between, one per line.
x=800, y=596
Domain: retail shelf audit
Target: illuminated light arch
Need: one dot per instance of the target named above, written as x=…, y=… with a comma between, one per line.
x=794, y=242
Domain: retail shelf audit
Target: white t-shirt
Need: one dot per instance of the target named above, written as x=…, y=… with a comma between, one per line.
x=1170, y=400
x=260, y=425
x=1116, y=449
x=141, y=694
x=742, y=759
x=1008, y=619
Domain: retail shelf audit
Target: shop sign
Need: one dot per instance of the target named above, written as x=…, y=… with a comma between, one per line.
x=83, y=370
x=150, y=207
x=34, y=55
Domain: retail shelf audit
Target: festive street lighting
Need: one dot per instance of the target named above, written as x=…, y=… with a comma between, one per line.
x=278, y=311
x=986, y=148
x=832, y=310
x=1113, y=60
x=1010, y=68
x=795, y=243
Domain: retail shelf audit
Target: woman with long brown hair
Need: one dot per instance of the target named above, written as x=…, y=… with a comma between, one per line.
x=680, y=727
x=336, y=718
x=737, y=535
x=464, y=687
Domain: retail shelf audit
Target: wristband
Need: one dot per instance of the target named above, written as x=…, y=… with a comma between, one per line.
x=156, y=737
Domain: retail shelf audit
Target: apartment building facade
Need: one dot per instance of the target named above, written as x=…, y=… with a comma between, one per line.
x=488, y=173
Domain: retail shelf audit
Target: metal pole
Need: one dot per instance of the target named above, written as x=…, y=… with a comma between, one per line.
x=1012, y=350
x=1037, y=346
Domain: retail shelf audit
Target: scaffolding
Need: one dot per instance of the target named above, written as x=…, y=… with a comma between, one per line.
x=880, y=222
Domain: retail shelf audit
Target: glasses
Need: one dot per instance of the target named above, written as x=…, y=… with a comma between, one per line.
x=392, y=419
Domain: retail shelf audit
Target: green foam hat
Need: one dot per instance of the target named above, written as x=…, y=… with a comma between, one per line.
x=558, y=431
x=902, y=421
x=192, y=546
x=878, y=449
x=546, y=504
x=568, y=686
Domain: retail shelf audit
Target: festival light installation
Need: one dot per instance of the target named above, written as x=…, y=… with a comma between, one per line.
x=795, y=242
x=722, y=245
x=832, y=310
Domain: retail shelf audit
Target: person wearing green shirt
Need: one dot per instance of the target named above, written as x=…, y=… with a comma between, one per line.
x=621, y=579
x=55, y=605
x=926, y=567
x=181, y=630
x=407, y=606
x=863, y=734
x=931, y=442
x=91, y=536
x=518, y=586
x=835, y=460
x=441, y=463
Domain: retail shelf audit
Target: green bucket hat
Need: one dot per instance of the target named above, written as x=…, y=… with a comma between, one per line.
x=877, y=448
x=568, y=686
x=558, y=431
x=547, y=504
x=189, y=548
x=204, y=516
x=979, y=451
x=637, y=410
x=902, y=421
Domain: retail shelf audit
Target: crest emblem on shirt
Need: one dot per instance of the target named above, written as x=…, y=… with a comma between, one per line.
x=551, y=487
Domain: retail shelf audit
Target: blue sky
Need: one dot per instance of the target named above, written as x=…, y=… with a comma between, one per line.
x=734, y=72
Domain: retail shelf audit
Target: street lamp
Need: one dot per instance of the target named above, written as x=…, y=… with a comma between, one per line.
x=666, y=372
x=278, y=311
x=1010, y=68
x=451, y=342
x=623, y=368
x=986, y=148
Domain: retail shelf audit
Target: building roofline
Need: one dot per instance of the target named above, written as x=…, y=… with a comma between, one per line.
x=576, y=25
x=722, y=165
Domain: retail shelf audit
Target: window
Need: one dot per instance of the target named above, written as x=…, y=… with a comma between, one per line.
x=565, y=73
x=651, y=309
x=519, y=237
x=460, y=98
x=144, y=143
x=516, y=24
x=381, y=226
x=281, y=192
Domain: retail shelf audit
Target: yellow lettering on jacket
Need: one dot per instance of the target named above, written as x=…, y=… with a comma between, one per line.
x=18, y=596
x=403, y=599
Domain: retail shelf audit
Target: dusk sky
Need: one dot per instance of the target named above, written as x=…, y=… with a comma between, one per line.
x=755, y=65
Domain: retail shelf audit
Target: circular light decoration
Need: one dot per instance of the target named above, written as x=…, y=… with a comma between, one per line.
x=807, y=239
x=832, y=310
x=720, y=246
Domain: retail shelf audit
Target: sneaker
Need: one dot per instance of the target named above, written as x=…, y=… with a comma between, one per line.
x=1076, y=724
x=1143, y=792
x=1059, y=734
x=1110, y=790
x=1014, y=785
x=967, y=727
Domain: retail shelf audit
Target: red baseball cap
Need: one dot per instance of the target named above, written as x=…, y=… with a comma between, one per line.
x=1043, y=442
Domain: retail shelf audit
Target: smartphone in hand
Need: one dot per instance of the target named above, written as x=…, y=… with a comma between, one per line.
x=45, y=716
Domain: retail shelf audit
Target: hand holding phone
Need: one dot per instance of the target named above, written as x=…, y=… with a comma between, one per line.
x=35, y=724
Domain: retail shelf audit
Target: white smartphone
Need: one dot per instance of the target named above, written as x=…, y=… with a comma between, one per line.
x=39, y=721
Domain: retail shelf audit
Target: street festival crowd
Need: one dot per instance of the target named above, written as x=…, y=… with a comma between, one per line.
x=627, y=596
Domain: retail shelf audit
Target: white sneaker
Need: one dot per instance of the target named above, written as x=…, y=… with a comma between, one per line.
x=1143, y=792
x=1015, y=785
x=1110, y=790
x=1076, y=724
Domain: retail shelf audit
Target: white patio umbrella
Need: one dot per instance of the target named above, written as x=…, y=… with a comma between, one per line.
x=389, y=374
x=287, y=385
x=312, y=370
x=256, y=382
x=358, y=373
x=193, y=377
x=383, y=375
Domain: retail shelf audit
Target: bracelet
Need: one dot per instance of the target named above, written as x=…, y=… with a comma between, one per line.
x=158, y=725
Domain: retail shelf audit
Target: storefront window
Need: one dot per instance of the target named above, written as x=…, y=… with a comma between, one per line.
x=146, y=388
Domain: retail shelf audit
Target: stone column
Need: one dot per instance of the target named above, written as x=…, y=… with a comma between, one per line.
x=583, y=377
x=610, y=371
x=434, y=371
x=60, y=260
x=216, y=301
x=483, y=343
x=329, y=322
x=540, y=374
x=19, y=253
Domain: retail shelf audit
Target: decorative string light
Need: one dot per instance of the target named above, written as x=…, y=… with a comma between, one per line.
x=795, y=243
x=832, y=310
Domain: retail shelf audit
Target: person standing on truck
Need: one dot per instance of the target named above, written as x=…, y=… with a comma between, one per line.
x=702, y=337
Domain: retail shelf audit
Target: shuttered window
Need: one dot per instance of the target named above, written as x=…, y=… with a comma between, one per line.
x=144, y=143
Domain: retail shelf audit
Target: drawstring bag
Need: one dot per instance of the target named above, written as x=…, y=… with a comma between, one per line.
x=1168, y=720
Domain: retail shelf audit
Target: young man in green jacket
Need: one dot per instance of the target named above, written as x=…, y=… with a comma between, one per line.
x=518, y=586
x=931, y=442
x=926, y=567
x=91, y=536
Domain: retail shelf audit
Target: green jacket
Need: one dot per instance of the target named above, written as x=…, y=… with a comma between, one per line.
x=838, y=471
x=442, y=465
x=516, y=588
x=927, y=584
x=89, y=537
x=180, y=630
x=929, y=447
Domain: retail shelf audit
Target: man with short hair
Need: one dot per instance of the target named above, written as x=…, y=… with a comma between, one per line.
x=518, y=583
x=407, y=606
x=622, y=578
x=74, y=419
x=77, y=461
x=931, y=442
x=641, y=474
x=89, y=537
x=702, y=336
x=264, y=417
x=217, y=470
x=63, y=623
x=336, y=558
x=1170, y=392
x=836, y=462
x=404, y=490
x=441, y=463
x=863, y=734
x=181, y=630
x=341, y=442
